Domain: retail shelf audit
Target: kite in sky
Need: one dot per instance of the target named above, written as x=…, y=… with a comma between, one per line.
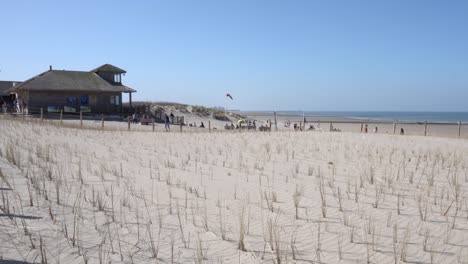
x=228, y=95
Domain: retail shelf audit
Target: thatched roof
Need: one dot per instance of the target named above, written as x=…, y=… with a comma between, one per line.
x=109, y=68
x=56, y=80
x=5, y=85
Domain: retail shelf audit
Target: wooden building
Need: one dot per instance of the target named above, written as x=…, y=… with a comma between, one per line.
x=96, y=91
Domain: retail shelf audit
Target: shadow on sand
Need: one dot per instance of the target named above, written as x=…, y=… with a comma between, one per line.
x=10, y=261
x=19, y=216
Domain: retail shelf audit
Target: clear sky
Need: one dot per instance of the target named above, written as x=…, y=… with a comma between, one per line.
x=407, y=55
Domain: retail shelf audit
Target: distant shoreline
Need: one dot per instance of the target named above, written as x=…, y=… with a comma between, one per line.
x=371, y=117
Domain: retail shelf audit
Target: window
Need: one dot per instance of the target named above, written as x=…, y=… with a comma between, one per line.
x=117, y=78
x=92, y=99
x=84, y=100
x=117, y=100
x=72, y=101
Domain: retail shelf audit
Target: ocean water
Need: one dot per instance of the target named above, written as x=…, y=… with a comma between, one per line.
x=441, y=117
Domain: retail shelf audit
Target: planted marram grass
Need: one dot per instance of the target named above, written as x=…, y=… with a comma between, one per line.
x=88, y=196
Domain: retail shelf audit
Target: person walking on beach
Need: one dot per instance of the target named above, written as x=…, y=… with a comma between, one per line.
x=16, y=106
x=172, y=118
x=134, y=118
x=402, y=131
x=365, y=128
x=166, y=124
x=375, y=130
x=4, y=107
x=24, y=106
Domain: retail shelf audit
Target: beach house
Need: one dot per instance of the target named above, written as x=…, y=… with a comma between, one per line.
x=96, y=91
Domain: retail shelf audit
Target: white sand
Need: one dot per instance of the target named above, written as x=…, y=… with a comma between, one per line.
x=147, y=197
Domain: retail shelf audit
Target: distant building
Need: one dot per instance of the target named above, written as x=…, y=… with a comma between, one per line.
x=96, y=91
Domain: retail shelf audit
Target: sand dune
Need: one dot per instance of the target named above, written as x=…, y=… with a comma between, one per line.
x=73, y=195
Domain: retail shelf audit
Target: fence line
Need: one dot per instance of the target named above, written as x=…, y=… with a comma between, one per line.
x=58, y=119
x=302, y=122
x=376, y=122
x=459, y=124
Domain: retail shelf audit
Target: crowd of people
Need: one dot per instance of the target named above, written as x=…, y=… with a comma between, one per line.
x=243, y=124
x=14, y=106
x=169, y=119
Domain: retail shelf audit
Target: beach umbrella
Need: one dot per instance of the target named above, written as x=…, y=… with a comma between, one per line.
x=241, y=121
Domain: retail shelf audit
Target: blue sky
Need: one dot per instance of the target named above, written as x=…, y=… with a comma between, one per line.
x=361, y=55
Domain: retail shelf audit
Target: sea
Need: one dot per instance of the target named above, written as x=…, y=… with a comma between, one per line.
x=433, y=117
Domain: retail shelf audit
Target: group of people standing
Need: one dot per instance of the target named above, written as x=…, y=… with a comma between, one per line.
x=18, y=105
x=365, y=129
x=169, y=119
x=376, y=129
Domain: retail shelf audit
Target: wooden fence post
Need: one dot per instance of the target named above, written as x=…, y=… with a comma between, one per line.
x=102, y=120
x=180, y=127
x=459, y=129
x=23, y=114
x=331, y=126
x=42, y=114
x=394, y=128
x=276, y=124
x=209, y=126
x=128, y=121
x=61, y=117
x=152, y=123
x=362, y=127
x=269, y=121
x=425, y=128
x=81, y=119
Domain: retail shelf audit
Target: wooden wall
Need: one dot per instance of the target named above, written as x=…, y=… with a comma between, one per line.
x=101, y=104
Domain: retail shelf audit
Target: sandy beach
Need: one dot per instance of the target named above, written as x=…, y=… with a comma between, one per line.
x=354, y=125
x=74, y=195
x=234, y=132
